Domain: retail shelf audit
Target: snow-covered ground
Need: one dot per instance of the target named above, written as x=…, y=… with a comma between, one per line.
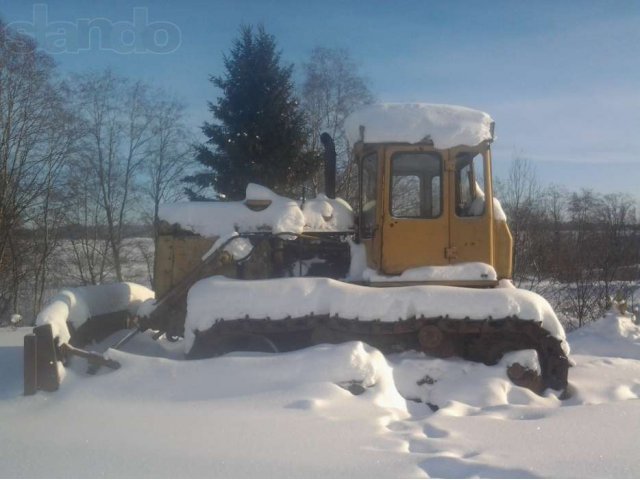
x=290, y=415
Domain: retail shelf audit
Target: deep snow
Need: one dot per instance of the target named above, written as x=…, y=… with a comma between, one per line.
x=286, y=415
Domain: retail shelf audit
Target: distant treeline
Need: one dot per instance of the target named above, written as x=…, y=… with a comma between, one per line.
x=573, y=246
x=86, y=160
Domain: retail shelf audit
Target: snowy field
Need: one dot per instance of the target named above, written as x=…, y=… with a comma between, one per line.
x=290, y=415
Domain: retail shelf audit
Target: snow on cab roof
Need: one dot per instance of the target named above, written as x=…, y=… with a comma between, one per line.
x=446, y=125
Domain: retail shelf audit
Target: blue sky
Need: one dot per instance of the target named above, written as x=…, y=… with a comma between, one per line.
x=561, y=79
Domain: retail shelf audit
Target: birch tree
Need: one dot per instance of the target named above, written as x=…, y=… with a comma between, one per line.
x=36, y=136
x=331, y=91
x=169, y=158
x=118, y=121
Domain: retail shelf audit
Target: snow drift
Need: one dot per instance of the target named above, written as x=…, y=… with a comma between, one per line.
x=216, y=417
x=613, y=335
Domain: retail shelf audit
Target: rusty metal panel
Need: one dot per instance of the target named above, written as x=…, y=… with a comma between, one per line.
x=187, y=254
x=163, y=264
x=176, y=256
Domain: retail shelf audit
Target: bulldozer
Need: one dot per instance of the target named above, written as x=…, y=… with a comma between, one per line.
x=426, y=230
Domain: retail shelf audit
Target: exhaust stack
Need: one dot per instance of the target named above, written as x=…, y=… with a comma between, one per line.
x=329, y=165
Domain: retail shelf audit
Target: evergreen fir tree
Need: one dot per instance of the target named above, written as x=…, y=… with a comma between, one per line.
x=259, y=130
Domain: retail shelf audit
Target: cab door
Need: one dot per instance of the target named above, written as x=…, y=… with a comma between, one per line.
x=471, y=215
x=415, y=216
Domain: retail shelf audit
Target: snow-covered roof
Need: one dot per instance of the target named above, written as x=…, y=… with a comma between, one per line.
x=446, y=125
x=282, y=215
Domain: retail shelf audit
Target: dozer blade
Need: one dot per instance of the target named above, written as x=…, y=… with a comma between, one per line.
x=42, y=354
x=43, y=351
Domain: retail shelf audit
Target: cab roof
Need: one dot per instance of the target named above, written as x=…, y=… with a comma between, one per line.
x=444, y=126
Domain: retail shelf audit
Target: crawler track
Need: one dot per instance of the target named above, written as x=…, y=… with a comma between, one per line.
x=483, y=341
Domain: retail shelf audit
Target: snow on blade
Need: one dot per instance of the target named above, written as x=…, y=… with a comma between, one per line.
x=77, y=305
x=282, y=215
x=298, y=297
x=446, y=125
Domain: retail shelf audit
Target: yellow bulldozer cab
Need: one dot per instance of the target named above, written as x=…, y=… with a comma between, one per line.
x=423, y=206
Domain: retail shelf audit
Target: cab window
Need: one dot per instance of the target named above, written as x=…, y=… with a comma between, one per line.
x=416, y=185
x=470, y=185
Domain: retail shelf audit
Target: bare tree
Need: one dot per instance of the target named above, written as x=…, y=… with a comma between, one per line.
x=574, y=248
x=332, y=90
x=48, y=213
x=36, y=134
x=617, y=216
x=522, y=199
x=581, y=249
x=89, y=252
x=118, y=123
x=169, y=156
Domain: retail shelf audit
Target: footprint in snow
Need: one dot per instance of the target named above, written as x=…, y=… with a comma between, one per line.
x=434, y=432
x=302, y=405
